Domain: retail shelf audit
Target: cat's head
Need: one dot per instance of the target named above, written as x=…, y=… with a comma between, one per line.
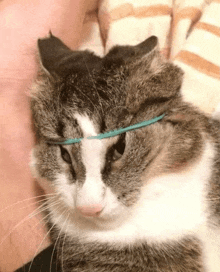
x=78, y=95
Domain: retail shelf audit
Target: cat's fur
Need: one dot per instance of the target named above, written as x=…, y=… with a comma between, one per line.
x=160, y=194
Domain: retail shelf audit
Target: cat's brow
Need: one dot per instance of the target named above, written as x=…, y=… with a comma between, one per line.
x=111, y=133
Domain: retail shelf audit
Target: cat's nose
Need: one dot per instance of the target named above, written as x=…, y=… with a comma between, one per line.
x=92, y=211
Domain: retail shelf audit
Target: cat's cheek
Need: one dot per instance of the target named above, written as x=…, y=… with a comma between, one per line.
x=114, y=213
x=66, y=190
x=46, y=186
x=44, y=183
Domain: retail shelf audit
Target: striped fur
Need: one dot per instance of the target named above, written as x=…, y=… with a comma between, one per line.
x=143, y=201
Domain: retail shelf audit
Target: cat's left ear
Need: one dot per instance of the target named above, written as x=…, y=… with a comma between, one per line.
x=120, y=55
x=58, y=59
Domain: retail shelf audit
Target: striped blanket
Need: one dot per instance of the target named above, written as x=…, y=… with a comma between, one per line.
x=188, y=32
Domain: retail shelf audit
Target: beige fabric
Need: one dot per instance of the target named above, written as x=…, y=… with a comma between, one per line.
x=200, y=59
x=188, y=32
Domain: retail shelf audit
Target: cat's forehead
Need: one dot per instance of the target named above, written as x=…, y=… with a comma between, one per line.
x=98, y=95
x=94, y=89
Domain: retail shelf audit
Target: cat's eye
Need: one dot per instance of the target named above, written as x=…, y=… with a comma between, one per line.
x=65, y=155
x=119, y=148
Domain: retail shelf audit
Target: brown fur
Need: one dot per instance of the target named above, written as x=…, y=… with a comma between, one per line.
x=129, y=85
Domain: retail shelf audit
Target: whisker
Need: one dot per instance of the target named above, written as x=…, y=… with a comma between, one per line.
x=29, y=216
x=64, y=238
x=22, y=201
x=37, y=250
x=49, y=212
x=81, y=243
x=43, y=205
x=57, y=241
x=39, y=203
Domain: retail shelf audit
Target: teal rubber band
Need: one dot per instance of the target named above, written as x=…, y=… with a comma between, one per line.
x=71, y=141
x=111, y=133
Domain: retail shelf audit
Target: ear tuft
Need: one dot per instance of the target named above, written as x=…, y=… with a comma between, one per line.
x=50, y=33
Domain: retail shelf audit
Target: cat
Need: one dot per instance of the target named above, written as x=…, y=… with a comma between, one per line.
x=145, y=200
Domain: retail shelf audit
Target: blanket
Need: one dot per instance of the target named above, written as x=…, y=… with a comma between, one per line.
x=188, y=32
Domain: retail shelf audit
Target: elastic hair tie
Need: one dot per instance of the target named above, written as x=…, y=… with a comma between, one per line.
x=111, y=133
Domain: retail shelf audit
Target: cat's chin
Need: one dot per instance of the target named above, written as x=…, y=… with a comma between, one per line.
x=105, y=221
x=76, y=223
x=101, y=223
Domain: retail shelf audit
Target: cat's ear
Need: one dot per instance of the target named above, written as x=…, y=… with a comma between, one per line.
x=152, y=81
x=147, y=46
x=56, y=58
x=120, y=55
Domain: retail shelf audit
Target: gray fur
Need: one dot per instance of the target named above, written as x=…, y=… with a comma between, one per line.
x=182, y=256
x=127, y=86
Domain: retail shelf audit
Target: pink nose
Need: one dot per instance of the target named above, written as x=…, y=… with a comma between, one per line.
x=93, y=210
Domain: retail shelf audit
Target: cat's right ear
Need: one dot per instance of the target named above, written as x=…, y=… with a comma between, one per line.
x=147, y=46
x=58, y=59
x=120, y=55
